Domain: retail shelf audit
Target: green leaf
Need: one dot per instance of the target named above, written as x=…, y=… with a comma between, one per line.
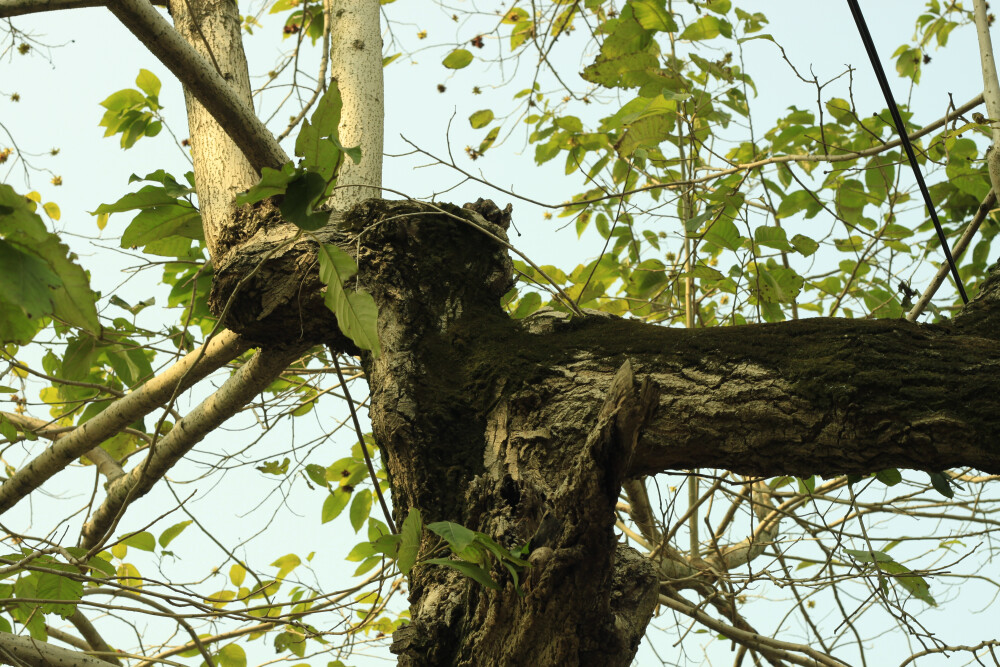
x=231, y=655
x=778, y=284
x=471, y=570
x=456, y=535
x=318, y=142
x=72, y=301
x=864, y=556
x=274, y=468
x=361, y=507
x=653, y=15
x=159, y=222
x=357, y=315
x=303, y=193
x=410, y=546
x=272, y=182
x=703, y=272
x=127, y=98
x=481, y=118
x=148, y=83
x=167, y=536
x=316, y=473
x=889, y=476
x=237, y=574
x=80, y=353
x=334, y=505
x=458, y=59
x=55, y=587
x=26, y=280
x=724, y=234
x=942, y=484
x=772, y=237
x=143, y=540
x=286, y=564
x=17, y=218
x=706, y=27
x=804, y=245
x=528, y=304
x=361, y=551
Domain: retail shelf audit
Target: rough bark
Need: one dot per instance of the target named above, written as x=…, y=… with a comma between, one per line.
x=527, y=430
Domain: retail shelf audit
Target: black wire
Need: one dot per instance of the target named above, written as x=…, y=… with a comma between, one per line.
x=883, y=83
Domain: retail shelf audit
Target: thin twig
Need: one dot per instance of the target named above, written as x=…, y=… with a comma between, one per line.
x=364, y=447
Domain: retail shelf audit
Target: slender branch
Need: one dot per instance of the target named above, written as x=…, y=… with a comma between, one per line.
x=970, y=231
x=202, y=80
x=364, y=447
x=784, y=650
x=991, y=90
x=261, y=627
x=778, y=159
x=106, y=465
x=641, y=510
x=11, y=8
x=234, y=393
x=189, y=370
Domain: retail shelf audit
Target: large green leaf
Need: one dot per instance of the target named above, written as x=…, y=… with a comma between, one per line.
x=458, y=59
x=456, y=535
x=410, y=546
x=357, y=315
x=26, y=280
x=471, y=570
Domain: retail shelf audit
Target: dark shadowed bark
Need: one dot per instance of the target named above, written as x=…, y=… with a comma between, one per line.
x=526, y=430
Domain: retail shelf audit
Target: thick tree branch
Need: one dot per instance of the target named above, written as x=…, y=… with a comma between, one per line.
x=189, y=370
x=21, y=651
x=201, y=78
x=106, y=465
x=11, y=8
x=234, y=393
x=821, y=396
x=817, y=396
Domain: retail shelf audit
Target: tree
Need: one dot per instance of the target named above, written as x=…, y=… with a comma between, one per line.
x=520, y=442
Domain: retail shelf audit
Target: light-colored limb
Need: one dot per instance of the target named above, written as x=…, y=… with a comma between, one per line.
x=234, y=393
x=118, y=415
x=201, y=78
x=356, y=65
x=23, y=651
x=10, y=8
x=221, y=170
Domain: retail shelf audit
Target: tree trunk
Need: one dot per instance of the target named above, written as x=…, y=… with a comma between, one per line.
x=526, y=430
x=356, y=65
x=220, y=167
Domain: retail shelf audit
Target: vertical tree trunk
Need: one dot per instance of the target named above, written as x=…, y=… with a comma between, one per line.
x=220, y=168
x=467, y=438
x=356, y=64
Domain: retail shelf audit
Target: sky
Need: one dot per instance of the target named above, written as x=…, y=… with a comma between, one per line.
x=92, y=55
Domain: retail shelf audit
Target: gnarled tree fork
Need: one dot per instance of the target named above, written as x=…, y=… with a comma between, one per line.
x=527, y=429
